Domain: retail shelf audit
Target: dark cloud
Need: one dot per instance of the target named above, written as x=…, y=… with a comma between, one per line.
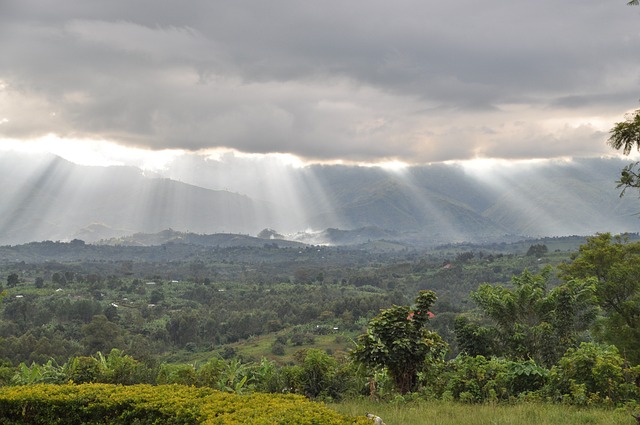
x=364, y=81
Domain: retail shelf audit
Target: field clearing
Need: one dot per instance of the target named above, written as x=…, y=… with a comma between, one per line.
x=447, y=413
x=260, y=346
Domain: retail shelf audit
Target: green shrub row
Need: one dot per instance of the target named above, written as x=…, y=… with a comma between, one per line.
x=318, y=375
x=48, y=404
x=591, y=374
x=588, y=375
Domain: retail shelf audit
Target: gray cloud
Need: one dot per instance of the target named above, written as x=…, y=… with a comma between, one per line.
x=364, y=81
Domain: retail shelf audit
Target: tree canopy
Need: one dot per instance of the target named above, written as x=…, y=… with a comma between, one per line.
x=530, y=321
x=397, y=339
x=615, y=265
x=625, y=136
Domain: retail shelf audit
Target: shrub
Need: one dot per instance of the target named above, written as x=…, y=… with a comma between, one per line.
x=478, y=379
x=210, y=373
x=83, y=370
x=183, y=374
x=593, y=373
x=166, y=404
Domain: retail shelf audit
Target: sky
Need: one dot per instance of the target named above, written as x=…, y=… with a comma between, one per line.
x=144, y=82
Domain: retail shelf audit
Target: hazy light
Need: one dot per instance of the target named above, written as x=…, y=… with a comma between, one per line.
x=437, y=223
x=394, y=166
x=93, y=152
x=286, y=159
x=518, y=183
x=481, y=165
x=43, y=176
x=288, y=191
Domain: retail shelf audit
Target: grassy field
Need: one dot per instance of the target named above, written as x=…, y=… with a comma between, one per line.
x=260, y=346
x=444, y=413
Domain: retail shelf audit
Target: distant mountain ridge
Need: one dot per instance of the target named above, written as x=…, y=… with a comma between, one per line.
x=217, y=240
x=48, y=198
x=57, y=200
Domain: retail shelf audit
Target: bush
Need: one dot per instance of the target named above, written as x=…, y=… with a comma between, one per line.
x=593, y=374
x=166, y=404
x=478, y=379
x=277, y=349
x=210, y=373
x=83, y=370
x=182, y=374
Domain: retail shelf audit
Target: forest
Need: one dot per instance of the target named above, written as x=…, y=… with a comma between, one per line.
x=552, y=320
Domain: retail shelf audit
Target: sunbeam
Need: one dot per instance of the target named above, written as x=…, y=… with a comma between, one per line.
x=289, y=194
x=531, y=201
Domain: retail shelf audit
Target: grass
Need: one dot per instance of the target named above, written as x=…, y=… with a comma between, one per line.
x=450, y=413
x=258, y=347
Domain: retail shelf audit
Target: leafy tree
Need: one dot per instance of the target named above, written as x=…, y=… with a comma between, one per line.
x=625, y=135
x=209, y=373
x=183, y=327
x=83, y=369
x=531, y=321
x=277, y=348
x=481, y=379
x=101, y=335
x=537, y=250
x=474, y=339
x=594, y=373
x=12, y=280
x=83, y=310
x=58, y=279
x=268, y=377
x=39, y=282
x=182, y=374
x=397, y=339
x=118, y=368
x=614, y=265
x=318, y=373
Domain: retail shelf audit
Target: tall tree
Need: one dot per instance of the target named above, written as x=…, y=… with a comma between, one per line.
x=531, y=321
x=397, y=339
x=102, y=335
x=625, y=136
x=614, y=264
x=12, y=280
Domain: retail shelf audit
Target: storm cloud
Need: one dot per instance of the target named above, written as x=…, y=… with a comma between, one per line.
x=415, y=81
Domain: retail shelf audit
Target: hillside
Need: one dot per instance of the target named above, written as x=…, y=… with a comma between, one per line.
x=54, y=199
x=48, y=198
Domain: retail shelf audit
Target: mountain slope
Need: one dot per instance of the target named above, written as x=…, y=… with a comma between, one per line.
x=48, y=198
x=57, y=199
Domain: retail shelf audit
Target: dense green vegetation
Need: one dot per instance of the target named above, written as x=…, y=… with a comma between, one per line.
x=541, y=321
x=189, y=302
x=142, y=404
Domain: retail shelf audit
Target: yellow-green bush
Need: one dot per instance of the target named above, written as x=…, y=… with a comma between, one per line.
x=164, y=404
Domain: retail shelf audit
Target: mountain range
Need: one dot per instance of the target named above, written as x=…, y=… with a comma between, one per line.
x=45, y=197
